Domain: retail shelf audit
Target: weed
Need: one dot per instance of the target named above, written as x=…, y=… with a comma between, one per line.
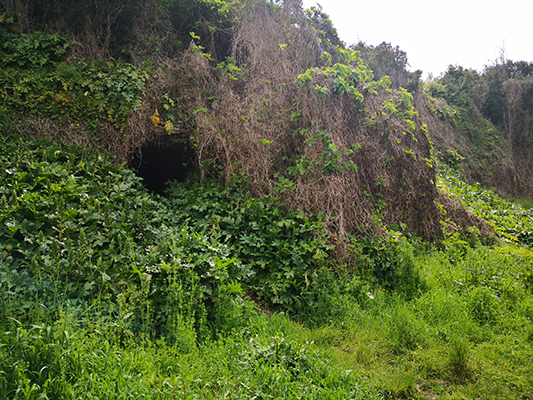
x=458, y=359
x=283, y=251
x=404, y=332
x=483, y=305
x=389, y=263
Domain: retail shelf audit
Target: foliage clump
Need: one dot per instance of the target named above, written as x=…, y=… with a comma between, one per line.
x=284, y=251
x=486, y=118
x=74, y=227
x=261, y=90
x=510, y=221
x=82, y=102
x=305, y=119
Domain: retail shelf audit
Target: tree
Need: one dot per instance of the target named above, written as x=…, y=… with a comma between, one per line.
x=385, y=59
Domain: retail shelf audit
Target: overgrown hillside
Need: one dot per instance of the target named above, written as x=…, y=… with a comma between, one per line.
x=480, y=122
x=110, y=291
x=317, y=237
x=253, y=92
x=485, y=126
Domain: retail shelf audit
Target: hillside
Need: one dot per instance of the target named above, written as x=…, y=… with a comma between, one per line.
x=221, y=199
x=254, y=92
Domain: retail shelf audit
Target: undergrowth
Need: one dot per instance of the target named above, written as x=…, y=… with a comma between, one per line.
x=100, y=278
x=227, y=291
x=108, y=291
x=511, y=220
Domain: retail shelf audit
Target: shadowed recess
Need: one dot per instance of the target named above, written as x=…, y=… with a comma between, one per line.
x=163, y=160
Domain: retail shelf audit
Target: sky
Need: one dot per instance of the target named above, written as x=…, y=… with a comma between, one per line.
x=436, y=34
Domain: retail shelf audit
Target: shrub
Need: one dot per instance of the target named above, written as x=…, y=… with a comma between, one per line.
x=510, y=221
x=37, y=81
x=283, y=250
x=75, y=226
x=387, y=262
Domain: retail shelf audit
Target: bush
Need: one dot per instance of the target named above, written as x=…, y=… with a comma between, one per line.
x=283, y=250
x=511, y=222
x=38, y=82
x=75, y=226
x=389, y=263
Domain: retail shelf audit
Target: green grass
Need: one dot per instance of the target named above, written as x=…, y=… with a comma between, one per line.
x=462, y=338
x=69, y=361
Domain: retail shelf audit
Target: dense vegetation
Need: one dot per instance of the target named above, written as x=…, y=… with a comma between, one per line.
x=108, y=292
x=341, y=234
x=487, y=121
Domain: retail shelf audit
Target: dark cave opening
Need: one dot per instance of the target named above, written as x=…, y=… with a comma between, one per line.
x=163, y=160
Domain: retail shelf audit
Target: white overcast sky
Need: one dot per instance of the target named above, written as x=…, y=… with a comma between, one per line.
x=435, y=34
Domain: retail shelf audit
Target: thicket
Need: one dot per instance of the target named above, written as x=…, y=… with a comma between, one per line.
x=488, y=122
x=89, y=256
x=307, y=121
x=108, y=290
x=38, y=82
x=510, y=221
x=314, y=186
x=130, y=30
x=77, y=229
x=263, y=91
x=91, y=103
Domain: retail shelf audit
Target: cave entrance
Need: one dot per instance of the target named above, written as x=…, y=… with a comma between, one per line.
x=167, y=158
